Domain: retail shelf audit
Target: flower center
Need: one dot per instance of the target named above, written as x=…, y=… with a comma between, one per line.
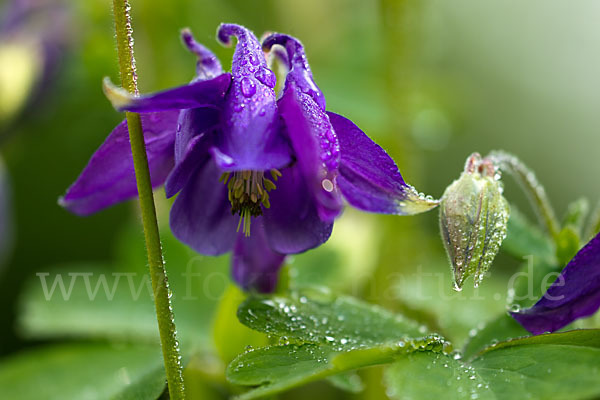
x=248, y=193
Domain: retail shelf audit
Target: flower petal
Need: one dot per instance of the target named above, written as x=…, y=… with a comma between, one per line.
x=199, y=93
x=251, y=138
x=292, y=223
x=255, y=265
x=109, y=177
x=300, y=73
x=575, y=294
x=201, y=214
x=195, y=136
x=369, y=179
x=316, y=148
x=208, y=65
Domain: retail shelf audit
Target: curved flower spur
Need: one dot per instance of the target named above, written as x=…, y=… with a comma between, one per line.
x=256, y=175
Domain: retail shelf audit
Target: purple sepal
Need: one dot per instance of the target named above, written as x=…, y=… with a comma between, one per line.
x=197, y=94
x=201, y=214
x=255, y=265
x=575, y=294
x=109, y=176
x=368, y=177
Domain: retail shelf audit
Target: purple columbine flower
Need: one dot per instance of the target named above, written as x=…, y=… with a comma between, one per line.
x=575, y=294
x=33, y=38
x=256, y=175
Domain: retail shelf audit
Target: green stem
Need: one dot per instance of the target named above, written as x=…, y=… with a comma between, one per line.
x=160, y=284
x=532, y=188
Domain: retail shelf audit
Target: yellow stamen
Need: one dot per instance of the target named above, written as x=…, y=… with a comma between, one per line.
x=248, y=194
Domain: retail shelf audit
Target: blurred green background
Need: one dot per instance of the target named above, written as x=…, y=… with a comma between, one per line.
x=431, y=81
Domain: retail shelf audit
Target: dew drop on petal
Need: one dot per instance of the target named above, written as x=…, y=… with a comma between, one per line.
x=248, y=87
x=327, y=185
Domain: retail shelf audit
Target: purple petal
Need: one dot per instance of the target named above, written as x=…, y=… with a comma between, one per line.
x=575, y=294
x=300, y=73
x=369, y=179
x=255, y=265
x=208, y=65
x=292, y=223
x=192, y=123
x=109, y=176
x=193, y=140
x=316, y=148
x=201, y=214
x=197, y=94
x=251, y=138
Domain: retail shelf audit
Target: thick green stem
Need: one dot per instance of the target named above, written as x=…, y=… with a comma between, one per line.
x=532, y=188
x=160, y=284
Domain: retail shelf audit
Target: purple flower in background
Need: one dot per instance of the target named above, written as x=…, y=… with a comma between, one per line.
x=575, y=294
x=256, y=175
x=33, y=37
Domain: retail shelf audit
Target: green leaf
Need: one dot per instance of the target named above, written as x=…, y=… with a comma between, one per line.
x=553, y=366
x=435, y=376
x=320, y=317
x=115, y=301
x=524, y=239
x=278, y=368
x=321, y=335
x=504, y=327
x=84, y=371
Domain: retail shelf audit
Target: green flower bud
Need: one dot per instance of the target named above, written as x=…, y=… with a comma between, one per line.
x=473, y=218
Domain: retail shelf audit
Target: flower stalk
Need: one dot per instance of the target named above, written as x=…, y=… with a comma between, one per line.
x=530, y=185
x=160, y=285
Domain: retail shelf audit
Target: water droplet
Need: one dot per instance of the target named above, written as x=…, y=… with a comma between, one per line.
x=515, y=308
x=253, y=59
x=266, y=77
x=327, y=185
x=248, y=86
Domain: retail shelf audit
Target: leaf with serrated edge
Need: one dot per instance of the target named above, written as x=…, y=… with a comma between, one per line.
x=554, y=366
x=341, y=322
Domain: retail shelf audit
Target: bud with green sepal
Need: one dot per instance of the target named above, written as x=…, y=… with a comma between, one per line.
x=473, y=219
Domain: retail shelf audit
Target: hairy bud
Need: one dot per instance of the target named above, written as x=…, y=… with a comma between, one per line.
x=473, y=218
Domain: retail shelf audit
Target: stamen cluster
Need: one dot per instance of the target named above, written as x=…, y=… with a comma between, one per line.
x=248, y=193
